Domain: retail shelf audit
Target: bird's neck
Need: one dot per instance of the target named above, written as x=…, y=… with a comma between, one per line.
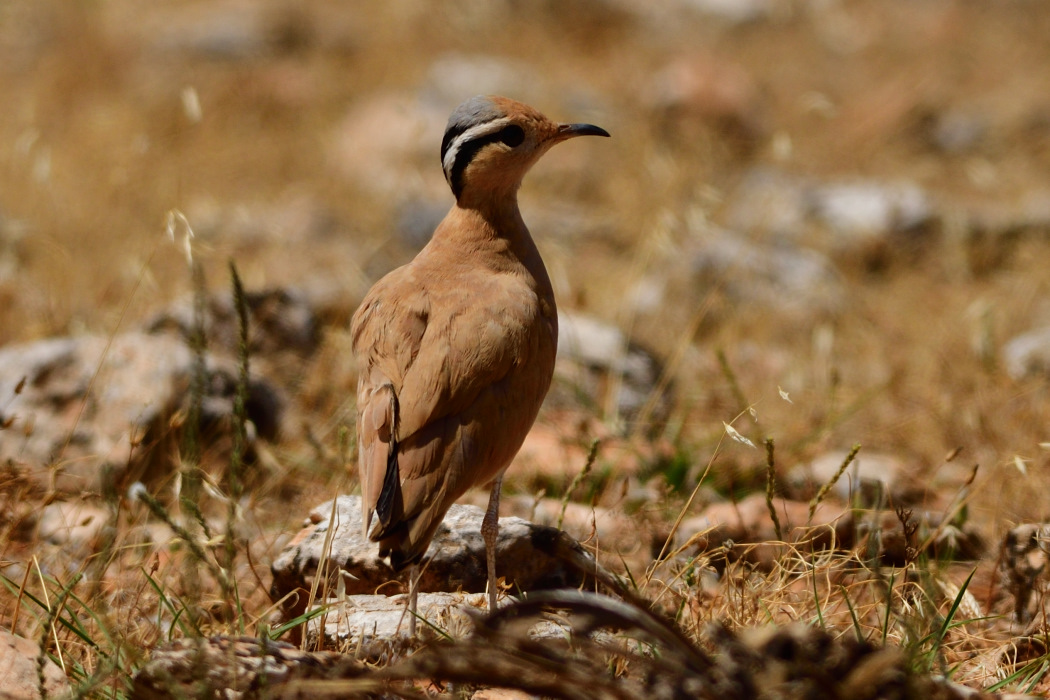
x=497, y=205
x=494, y=223
x=495, y=239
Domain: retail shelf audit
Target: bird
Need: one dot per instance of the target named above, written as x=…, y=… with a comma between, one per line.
x=455, y=350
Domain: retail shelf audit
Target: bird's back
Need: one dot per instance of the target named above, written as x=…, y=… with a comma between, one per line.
x=455, y=352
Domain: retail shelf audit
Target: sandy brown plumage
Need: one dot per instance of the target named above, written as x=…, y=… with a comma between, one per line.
x=456, y=349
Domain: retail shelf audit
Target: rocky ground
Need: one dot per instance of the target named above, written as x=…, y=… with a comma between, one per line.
x=818, y=225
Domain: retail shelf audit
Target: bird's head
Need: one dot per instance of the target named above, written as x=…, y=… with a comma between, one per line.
x=491, y=142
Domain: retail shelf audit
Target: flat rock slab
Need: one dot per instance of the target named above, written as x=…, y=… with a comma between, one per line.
x=361, y=619
x=1028, y=355
x=454, y=562
x=364, y=619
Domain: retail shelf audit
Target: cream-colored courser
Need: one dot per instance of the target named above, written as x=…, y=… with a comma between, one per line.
x=456, y=349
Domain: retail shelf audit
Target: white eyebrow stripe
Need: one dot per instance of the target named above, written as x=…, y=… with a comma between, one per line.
x=474, y=132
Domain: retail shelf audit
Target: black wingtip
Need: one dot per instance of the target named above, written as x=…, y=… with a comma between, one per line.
x=385, y=506
x=399, y=562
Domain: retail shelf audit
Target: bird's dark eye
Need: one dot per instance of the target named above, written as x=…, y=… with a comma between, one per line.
x=512, y=135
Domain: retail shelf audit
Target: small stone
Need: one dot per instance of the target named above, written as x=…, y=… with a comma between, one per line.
x=56, y=419
x=233, y=30
x=236, y=667
x=731, y=11
x=294, y=217
x=18, y=670
x=394, y=134
x=223, y=31
x=957, y=132
x=991, y=232
x=611, y=528
x=558, y=445
x=417, y=220
x=1028, y=355
x=677, y=13
x=864, y=208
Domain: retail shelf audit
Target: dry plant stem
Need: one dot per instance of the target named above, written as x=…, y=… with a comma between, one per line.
x=18, y=600
x=195, y=548
x=674, y=361
x=832, y=481
x=53, y=611
x=191, y=447
x=592, y=454
x=960, y=500
x=909, y=527
x=734, y=385
x=189, y=490
x=771, y=483
x=322, y=568
x=685, y=509
x=105, y=352
x=640, y=262
x=688, y=503
x=240, y=437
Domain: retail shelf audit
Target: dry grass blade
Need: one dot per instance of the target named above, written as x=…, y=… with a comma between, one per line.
x=771, y=487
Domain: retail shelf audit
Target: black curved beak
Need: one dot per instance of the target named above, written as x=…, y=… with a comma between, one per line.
x=568, y=131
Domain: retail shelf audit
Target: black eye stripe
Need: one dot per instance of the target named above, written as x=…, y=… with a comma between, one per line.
x=511, y=135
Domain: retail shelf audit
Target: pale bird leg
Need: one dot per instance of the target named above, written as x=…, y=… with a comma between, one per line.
x=489, y=531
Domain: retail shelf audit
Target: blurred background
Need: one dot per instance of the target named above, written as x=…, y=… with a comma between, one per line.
x=835, y=212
